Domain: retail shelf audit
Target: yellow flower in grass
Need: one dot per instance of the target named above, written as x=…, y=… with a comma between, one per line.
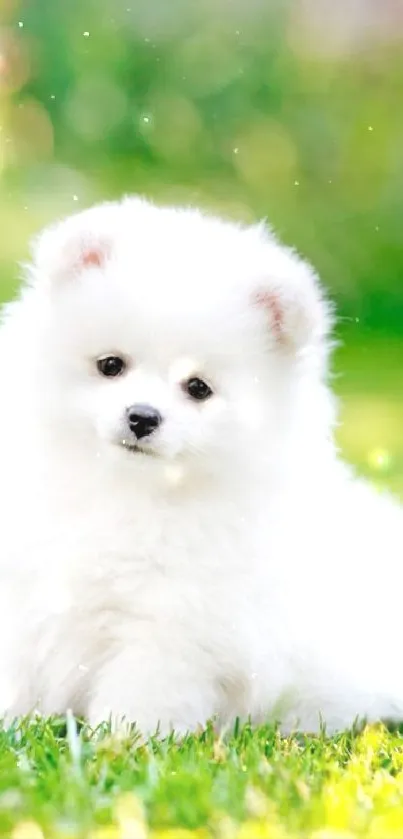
x=387, y=790
x=370, y=742
x=345, y=803
x=27, y=830
x=222, y=826
x=179, y=833
x=130, y=817
x=398, y=779
x=261, y=829
x=258, y=805
x=387, y=826
x=110, y=831
x=397, y=758
x=219, y=751
x=332, y=833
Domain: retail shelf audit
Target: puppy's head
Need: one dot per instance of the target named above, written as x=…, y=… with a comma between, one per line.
x=166, y=334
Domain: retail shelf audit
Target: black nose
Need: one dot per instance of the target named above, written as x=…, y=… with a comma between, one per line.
x=143, y=420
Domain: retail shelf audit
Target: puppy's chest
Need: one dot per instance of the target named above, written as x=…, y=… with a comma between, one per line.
x=184, y=546
x=171, y=565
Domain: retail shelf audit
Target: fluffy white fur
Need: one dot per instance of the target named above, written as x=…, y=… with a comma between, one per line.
x=234, y=566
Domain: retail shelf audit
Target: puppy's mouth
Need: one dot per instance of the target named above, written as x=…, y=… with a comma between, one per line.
x=135, y=448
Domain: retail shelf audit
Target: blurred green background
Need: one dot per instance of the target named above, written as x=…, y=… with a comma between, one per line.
x=288, y=109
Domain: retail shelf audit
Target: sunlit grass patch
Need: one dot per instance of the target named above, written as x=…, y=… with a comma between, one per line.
x=252, y=785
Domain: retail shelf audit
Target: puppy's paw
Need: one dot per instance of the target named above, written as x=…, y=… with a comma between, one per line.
x=144, y=726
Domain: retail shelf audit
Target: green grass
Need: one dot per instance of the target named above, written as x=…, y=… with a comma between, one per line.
x=252, y=785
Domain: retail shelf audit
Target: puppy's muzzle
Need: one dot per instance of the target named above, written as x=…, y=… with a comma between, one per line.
x=143, y=420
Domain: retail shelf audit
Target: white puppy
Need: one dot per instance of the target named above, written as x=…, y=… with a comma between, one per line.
x=179, y=538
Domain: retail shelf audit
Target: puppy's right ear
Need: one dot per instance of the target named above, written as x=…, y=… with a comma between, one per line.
x=65, y=250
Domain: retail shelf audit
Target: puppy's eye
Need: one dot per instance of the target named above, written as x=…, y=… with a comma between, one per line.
x=197, y=389
x=111, y=365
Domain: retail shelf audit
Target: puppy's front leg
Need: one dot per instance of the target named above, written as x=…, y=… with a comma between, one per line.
x=155, y=691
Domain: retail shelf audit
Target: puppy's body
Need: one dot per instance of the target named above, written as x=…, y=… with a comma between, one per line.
x=226, y=564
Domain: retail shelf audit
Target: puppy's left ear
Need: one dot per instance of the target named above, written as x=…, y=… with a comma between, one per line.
x=290, y=298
